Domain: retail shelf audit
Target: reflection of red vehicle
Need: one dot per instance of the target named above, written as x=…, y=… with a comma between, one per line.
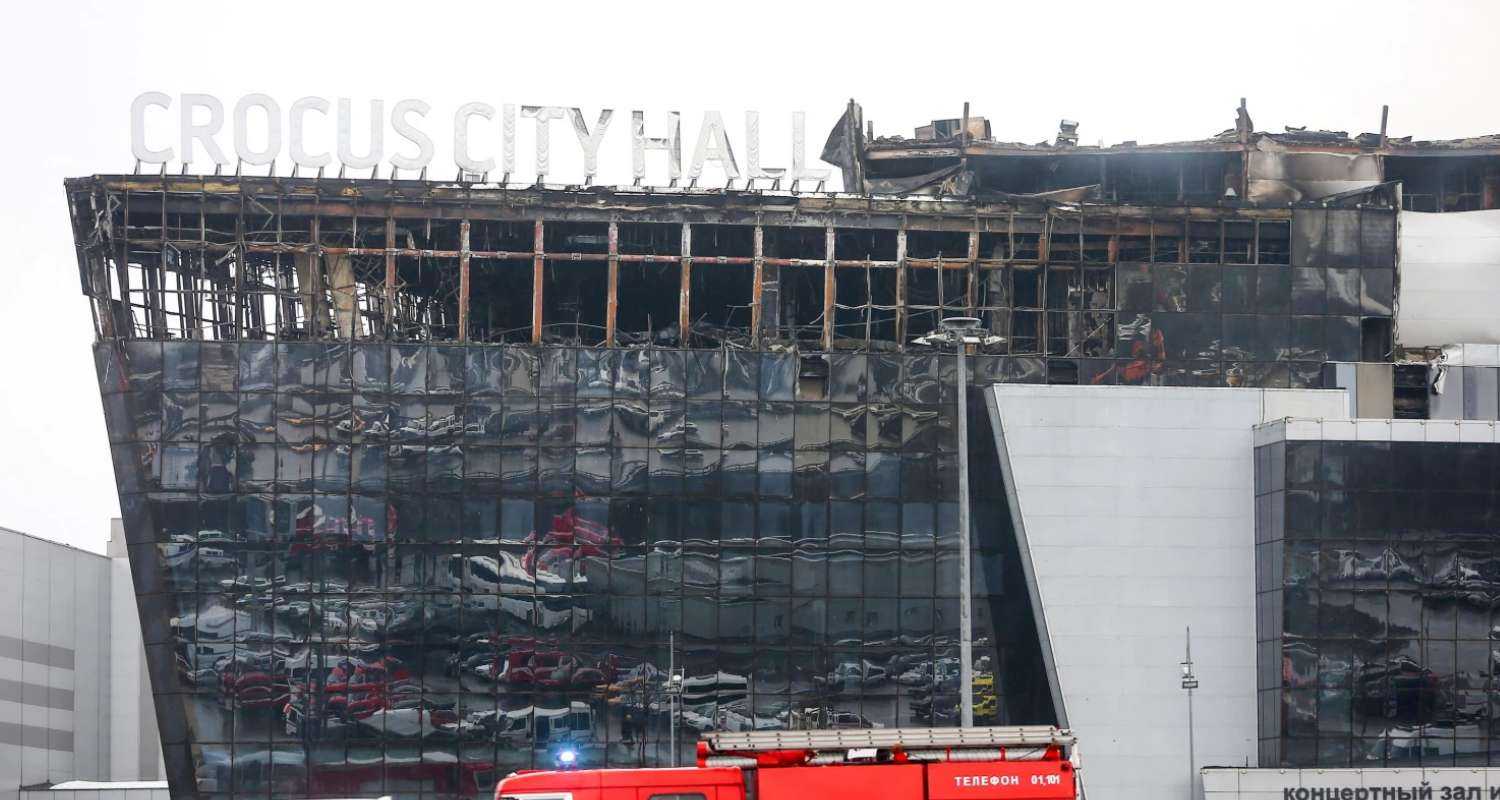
x=571, y=536
x=1023, y=763
x=245, y=683
x=552, y=669
x=548, y=668
x=353, y=691
x=315, y=531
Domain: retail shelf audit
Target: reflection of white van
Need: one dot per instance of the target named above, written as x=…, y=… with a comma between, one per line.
x=197, y=659
x=539, y=727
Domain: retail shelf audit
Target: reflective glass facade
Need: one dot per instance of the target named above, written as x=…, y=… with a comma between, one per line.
x=404, y=569
x=1378, y=565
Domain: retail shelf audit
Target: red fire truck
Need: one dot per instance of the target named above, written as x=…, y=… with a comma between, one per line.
x=1005, y=763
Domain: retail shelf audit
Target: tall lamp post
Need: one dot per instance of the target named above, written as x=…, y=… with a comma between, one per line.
x=961, y=332
x=674, y=691
x=1190, y=682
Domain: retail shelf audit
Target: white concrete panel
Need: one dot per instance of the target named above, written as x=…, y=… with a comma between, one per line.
x=1138, y=508
x=1450, y=278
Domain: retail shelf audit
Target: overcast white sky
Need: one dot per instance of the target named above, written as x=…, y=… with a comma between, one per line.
x=1143, y=71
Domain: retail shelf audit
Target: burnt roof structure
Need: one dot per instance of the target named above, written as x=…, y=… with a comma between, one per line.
x=959, y=157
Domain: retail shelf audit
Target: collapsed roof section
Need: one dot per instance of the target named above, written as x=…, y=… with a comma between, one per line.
x=1240, y=165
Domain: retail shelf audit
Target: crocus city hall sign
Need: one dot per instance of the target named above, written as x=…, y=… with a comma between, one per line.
x=483, y=138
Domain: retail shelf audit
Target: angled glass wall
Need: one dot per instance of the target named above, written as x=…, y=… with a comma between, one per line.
x=409, y=569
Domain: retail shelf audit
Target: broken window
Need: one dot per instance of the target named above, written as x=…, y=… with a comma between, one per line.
x=574, y=297
x=801, y=290
x=865, y=244
x=1239, y=242
x=1203, y=243
x=1135, y=248
x=937, y=244
x=722, y=295
x=1273, y=242
x=648, y=302
x=1028, y=246
x=994, y=246
x=500, y=307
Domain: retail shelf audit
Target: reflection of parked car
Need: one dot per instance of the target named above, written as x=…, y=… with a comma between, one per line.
x=943, y=674
x=937, y=709
x=729, y=718
x=696, y=721
x=827, y=719
x=849, y=677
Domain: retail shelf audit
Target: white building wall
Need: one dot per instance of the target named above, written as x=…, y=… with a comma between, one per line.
x=57, y=659
x=1138, y=511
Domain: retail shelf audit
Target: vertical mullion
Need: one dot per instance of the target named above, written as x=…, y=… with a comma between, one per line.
x=829, y=286
x=757, y=285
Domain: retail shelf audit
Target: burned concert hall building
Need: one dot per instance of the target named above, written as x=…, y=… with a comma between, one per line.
x=427, y=481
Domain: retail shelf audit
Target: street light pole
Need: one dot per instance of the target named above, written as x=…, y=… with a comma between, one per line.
x=671, y=692
x=965, y=594
x=962, y=332
x=1190, y=682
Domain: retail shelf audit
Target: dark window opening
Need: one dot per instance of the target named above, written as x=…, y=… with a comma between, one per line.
x=1166, y=249
x=500, y=301
x=490, y=236
x=650, y=238
x=1096, y=248
x=808, y=243
x=1028, y=246
x=647, y=303
x=1273, y=242
x=1375, y=339
x=994, y=246
x=802, y=303
x=937, y=244
x=1203, y=243
x=575, y=237
x=574, y=296
x=1026, y=332
x=722, y=294
x=1239, y=242
x=733, y=241
x=1135, y=248
x=942, y=288
x=865, y=245
x=851, y=303
x=1028, y=282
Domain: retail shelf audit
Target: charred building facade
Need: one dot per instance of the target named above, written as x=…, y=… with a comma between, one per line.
x=425, y=481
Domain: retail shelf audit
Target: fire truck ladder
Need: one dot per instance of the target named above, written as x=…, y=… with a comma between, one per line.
x=1014, y=743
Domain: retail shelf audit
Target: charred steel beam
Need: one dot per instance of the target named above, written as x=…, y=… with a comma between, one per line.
x=612, y=303
x=463, y=281
x=901, y=284
x=537, y=264
x=685, y=298
x=390, y=274
x=757, y=285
